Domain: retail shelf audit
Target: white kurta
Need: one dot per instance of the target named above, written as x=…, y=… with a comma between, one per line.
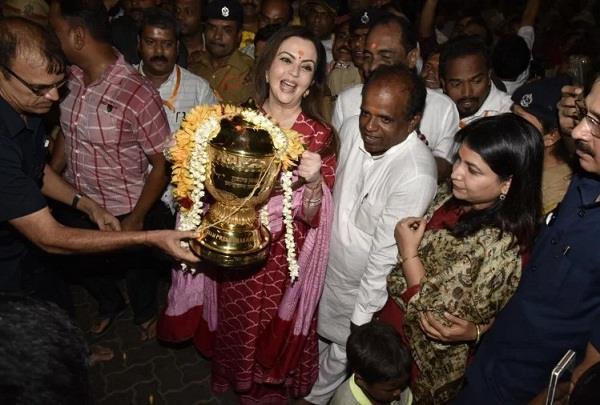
x=371, y=195
x=439, y=122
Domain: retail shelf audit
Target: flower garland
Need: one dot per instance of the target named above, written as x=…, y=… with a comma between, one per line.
x=189, y=156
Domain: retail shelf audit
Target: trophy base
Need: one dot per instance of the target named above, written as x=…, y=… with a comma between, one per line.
x=223, y=247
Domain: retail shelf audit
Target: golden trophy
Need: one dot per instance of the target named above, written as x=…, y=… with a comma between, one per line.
x=242, y=171
x=236, y=154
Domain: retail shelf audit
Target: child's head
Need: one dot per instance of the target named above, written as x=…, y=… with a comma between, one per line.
x=379, y=360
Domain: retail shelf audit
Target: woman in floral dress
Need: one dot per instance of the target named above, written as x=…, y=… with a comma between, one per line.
x=460, y=267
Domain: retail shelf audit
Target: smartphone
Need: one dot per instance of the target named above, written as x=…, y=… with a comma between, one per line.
x=581, y=71
x=567, y=363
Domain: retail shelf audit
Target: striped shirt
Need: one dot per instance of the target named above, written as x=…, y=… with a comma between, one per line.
x=110, y=127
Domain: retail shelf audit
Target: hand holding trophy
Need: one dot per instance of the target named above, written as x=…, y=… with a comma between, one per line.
x=237, y=155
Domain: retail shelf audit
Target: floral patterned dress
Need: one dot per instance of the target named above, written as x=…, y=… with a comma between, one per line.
x=470, y=277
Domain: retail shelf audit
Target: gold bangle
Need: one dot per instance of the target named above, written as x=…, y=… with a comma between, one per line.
x=478, y=330
x=401, y=259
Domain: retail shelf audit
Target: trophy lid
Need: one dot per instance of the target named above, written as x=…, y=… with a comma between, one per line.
x=237, y=135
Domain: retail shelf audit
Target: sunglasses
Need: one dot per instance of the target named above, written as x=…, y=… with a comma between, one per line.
x=37, y=89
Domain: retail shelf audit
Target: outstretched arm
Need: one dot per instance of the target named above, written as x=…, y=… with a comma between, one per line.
x=42, y=229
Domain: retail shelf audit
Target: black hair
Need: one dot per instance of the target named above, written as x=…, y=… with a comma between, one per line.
x=376, y=352
x=513, y=149
x=460, y=47
x=43, y=356
x=408, y=9
x=510, y=57
x=21, y=36
x=400, y=73
x=310, y=103
x=159, y=18
x=409, y=34
x=89, y=14
x=266, y=32
x=478, y=20
x=290, y=12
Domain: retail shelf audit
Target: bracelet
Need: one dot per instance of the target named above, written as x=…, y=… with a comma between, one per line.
x=401, y=259
x=76, y=199
x=478, y=330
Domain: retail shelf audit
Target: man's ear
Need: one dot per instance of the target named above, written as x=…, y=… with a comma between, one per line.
x=413, y=124
x=139, y=44
x=412, y=57
x=77, y=35
x=551, y=138
x=359, y=381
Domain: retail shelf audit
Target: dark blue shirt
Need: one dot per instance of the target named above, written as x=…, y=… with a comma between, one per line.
x=555, y=308
x=22, y=159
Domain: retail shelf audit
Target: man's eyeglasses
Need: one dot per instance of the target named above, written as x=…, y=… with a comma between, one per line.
x=37, y=89
x=592, y=122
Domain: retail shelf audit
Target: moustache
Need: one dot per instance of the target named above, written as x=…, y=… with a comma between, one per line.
x=467, y=100
x=344, y=48
x=158, y=59
x=584, y=148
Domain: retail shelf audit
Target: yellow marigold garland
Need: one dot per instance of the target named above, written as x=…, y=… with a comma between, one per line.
x=189, y=163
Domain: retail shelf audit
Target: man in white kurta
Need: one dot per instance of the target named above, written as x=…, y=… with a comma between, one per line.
x=438, y=125
x=465, y=76
x=496, y=102
x=374, y=190
x=391, y=41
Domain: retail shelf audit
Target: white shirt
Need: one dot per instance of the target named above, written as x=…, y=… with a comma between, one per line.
x=439, y=122
x=328, y=45
x=193, y=90
x=371, y=194
x=497, y=102
x=528, y=34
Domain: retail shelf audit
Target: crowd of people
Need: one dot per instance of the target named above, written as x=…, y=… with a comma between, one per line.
x=444, y=208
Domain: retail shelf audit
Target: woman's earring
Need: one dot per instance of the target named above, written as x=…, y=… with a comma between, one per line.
x=502, y=196
x=306, y=93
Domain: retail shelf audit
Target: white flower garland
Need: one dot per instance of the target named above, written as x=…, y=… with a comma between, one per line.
x=192, y=219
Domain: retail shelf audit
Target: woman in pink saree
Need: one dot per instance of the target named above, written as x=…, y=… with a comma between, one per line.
x=259, y=327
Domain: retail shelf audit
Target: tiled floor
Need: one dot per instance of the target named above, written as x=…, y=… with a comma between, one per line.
x=147, y=373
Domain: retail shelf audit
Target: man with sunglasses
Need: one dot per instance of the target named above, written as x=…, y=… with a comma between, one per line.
x=557, y=304
x=31, y=73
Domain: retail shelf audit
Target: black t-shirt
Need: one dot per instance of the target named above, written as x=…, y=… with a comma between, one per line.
x=22, y=159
